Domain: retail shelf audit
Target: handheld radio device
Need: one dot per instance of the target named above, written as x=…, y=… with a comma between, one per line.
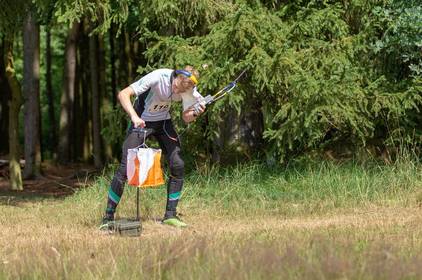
x=209, y=99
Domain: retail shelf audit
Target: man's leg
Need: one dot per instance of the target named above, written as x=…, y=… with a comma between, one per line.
x=175, y=182
x=115, y=191
x=172, y=151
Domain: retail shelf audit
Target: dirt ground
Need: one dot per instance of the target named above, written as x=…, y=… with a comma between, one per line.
x=55, y=180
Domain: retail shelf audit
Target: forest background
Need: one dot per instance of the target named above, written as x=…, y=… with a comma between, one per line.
x=337, y=79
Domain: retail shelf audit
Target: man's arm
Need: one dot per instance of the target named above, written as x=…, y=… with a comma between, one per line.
x=137, y=88
x=124, y=98
x=189, y=100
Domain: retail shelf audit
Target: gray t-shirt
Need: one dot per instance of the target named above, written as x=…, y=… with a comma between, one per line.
x=155, y=91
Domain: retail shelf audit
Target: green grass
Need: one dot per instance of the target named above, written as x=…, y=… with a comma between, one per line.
x=298, y=189
x=314, y=220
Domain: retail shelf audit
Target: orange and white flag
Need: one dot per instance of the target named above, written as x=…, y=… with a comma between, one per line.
x=144, y=167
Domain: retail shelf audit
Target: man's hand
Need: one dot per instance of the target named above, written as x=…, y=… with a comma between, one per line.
x=199, y=109
x=193, y=112
x=137, y=121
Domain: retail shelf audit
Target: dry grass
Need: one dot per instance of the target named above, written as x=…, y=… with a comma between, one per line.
x=263, y=232
x=371, y=243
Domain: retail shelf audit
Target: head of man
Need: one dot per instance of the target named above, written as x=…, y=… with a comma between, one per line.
x=185, y=80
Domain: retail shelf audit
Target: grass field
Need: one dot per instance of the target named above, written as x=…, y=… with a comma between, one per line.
x=305, y=221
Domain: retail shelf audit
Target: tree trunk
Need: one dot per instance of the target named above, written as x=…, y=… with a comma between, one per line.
x=86, y=107
x=49, y=93
x=67, y=98
x=14, y=108
x=78, y=122
x=113, y=67
x=31, y=89
x=129, y=62
x=240, y=134
x=125, y=61
x=75, y=128
x=252, y=127
x=122, y=72
x=96, y=126
x=4, y=102
x=84, y=139
x=225, y=137
x=105, y=105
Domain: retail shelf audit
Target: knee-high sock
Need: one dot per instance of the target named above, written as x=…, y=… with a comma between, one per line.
x=114, y=194
x=174, y=189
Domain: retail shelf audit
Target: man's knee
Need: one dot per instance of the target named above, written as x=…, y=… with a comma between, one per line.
x=177, y=166
x=121, y=173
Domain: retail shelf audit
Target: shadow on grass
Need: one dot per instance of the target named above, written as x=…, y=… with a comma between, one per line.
x=17, y=198
x=39, y=190
x=55, y=183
